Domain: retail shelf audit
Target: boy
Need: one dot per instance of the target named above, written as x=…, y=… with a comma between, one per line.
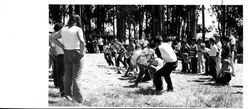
x=225, y=74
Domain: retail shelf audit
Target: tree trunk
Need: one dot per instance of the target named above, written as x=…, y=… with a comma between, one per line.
x=203, y=23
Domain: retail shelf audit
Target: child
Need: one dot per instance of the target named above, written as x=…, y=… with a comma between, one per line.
x=225, y=73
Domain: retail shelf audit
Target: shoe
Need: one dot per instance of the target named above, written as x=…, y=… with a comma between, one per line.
x=68, y=98
x=158, y=92
x=170, y=90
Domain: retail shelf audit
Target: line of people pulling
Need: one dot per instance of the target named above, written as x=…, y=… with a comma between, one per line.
x=152, y=60
x=158, y=58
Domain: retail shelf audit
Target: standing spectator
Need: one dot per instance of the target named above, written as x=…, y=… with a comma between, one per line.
x=52, y=57
x=166, y=52
x=184, y=57
x=233, y=47
x=204, y=50
x=74, y=47
x=100, y=44
x=59, y=62
x=96, y=47
x=193, y=56
x=213, y=54
x=219, y=46
x=201, y=59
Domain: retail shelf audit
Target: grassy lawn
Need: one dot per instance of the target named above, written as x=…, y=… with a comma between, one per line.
x=103, y=87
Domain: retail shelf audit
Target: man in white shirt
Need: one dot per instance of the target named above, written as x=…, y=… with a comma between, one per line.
x=213, y=54
x=165, y=51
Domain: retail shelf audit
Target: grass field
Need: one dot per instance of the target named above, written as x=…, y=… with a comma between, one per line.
x=103, y=87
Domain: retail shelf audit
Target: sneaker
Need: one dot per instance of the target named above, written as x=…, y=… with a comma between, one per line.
x=68, y=98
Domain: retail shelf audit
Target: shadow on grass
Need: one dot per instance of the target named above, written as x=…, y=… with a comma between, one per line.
x=52, y=102
x=145, y=91
x=127, y=78
x=54, y=95
x=238, y=92
x=196, y=81
x=209, y=83
x=237, y=86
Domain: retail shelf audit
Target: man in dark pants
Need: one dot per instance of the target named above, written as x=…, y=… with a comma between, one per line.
x=166, y=52
x=213, y=54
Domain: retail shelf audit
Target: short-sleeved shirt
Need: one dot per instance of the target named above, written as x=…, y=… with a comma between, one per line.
x=213, y=50
x=134, y=57
x=146, y=57
x=226, y=52
x=167, y=53
x=193, y=50
x=70, y=38
x=119, y=47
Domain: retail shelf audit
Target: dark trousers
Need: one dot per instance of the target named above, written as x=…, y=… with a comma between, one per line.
x=143, y=75
x=194, y=65
x=119, y=59
x=212, y=67
x=108, y=58
x=60, y=71
x=53, y=64
x=184, y=66
x=100, y=48
x=165, y=71
x=224, y=78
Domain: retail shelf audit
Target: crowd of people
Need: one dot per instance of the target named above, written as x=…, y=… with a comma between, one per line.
x=213, y=57
x=145, y=59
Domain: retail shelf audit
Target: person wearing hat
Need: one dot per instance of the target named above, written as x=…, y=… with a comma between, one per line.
x=164, y=51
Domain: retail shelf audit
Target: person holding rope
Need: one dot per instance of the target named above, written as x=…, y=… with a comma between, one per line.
x=165, y=52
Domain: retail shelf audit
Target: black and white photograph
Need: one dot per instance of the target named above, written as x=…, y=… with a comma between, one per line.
x=112, y=55
x=124, y=54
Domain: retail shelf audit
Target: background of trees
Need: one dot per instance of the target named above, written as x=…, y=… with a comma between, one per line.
x=170, y=21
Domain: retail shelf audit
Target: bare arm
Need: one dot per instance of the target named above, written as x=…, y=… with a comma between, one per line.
x=55, y=37
x=82, y=42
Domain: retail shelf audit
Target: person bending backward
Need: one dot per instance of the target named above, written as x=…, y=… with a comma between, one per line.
x=73, y=45
x=166, y=52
